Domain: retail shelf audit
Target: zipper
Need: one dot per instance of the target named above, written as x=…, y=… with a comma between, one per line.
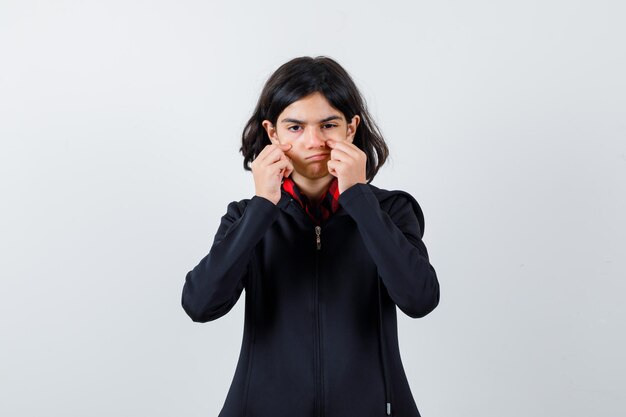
x=320, y=369
x=318, y=240
x=319, y=381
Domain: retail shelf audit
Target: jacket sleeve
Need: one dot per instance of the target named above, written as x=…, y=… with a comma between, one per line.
x=213, y=286
x=394, y=241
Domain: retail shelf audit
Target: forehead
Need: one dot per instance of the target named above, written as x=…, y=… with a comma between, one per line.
x=312, y=108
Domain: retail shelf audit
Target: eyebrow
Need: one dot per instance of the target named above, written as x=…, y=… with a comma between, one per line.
x=327, y=119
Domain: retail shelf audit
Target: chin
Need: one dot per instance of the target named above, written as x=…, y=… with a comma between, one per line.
x=311, y=175
x=324, y=175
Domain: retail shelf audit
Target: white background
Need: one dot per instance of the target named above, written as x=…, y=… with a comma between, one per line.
x=120, y=124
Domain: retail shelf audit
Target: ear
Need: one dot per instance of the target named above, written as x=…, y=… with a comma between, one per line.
x=352, y=127
x=271, y=131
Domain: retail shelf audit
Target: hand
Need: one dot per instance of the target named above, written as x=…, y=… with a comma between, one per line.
x=269, y=168
x=347, y=163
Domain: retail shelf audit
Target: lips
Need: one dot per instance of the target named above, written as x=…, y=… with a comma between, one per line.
x=319, y=154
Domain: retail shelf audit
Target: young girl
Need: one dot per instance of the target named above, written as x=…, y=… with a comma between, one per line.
x=324, y=255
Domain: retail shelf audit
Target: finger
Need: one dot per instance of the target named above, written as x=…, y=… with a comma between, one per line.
x=289, y=168
x=340, y=155
x=332, y=165
x=278, y=165
x=264, y=152
x=345, y=146
x=273, y=154
x=270, y=152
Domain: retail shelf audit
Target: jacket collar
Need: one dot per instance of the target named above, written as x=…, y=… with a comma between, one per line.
x=286, y=201
x=325, y=207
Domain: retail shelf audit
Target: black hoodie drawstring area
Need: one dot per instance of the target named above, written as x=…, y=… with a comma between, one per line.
x=383, y=357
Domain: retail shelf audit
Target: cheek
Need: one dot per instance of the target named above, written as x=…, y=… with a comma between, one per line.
x=294, y=156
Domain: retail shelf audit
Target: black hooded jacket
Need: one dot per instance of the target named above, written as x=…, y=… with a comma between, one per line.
x=320, y=329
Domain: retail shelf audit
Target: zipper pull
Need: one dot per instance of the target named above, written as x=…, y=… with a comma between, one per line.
x=388, y=409
x=318, y=230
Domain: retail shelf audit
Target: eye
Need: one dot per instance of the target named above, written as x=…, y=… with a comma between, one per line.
x=331, y=125
x=289, y=128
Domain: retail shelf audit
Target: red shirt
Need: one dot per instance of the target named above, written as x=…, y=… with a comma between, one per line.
x=327, y=205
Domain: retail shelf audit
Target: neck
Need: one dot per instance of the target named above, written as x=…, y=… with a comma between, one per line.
x=312, y=188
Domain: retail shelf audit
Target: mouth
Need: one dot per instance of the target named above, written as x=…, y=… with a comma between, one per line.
x=318, y=156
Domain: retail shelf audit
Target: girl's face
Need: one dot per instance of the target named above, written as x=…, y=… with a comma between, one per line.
x=306, y=124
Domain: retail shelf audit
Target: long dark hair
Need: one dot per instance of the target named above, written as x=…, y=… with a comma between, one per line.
x=297, y=79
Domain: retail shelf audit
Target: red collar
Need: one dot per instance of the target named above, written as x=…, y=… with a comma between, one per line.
x=328, y=204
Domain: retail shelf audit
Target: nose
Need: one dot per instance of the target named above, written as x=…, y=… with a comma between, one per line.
x=315, y=138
